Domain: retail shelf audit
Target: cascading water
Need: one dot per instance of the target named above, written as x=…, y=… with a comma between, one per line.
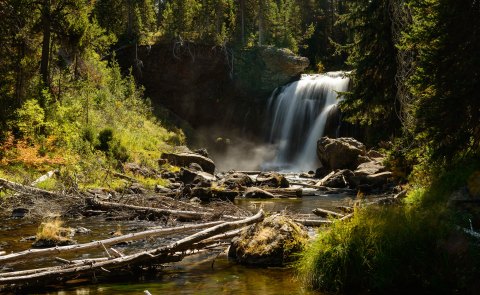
x=298, y=114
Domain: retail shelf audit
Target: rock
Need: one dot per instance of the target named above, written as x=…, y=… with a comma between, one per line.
x=255, y=192
x=202, y=152
x=321, y=172
x=19, y=212
x=272, y=179
x=337, y=179
x=281, y=65
x=174, y=185
x=237, y=180
x=205, y=194
x=272, y=242
x=159, y=189
x=48, y=243
x=340, y=153
x=369, y=168
x=138, y=170
x=309, y=174
x=184, y=159
x=374, y=154
x=371, y=180
x=82, y=230
x=195, y=200
x=188, y=176
x=195, y=167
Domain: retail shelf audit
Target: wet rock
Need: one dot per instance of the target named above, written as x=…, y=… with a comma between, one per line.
x=82, y=230
x=28, y=239
x=48, y=243
x=272, y=179
x=272, y=242
x=337, y=179
x=255, y=192
x=237, y=180
x=206, y=194
x=19, y=213
x=184, y=159
x=340, y=153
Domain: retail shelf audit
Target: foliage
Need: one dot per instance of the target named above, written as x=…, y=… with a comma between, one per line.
x=390, y=250
x=446, y=111
x=372, y=55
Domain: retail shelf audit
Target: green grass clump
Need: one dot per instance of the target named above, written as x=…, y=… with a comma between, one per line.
x=418, y=246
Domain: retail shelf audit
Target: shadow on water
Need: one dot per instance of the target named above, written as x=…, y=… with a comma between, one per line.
x=195, y=275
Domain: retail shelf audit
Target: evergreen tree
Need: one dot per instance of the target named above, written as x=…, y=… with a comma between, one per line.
x=372, y=56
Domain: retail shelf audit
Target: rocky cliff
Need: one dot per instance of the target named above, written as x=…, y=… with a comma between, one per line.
x=209, y=86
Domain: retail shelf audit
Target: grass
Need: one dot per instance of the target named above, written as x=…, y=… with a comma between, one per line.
x=416, y=247
x=53, y=230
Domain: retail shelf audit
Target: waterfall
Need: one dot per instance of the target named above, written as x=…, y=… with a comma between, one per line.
x=298, y=113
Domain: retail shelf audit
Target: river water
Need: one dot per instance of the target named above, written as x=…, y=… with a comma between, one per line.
x=208, y=273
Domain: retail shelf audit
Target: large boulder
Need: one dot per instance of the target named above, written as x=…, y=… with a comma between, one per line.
x=186, y=158
x=340, y=153
x=272, y=179
x=237, y=180
x=272, y=242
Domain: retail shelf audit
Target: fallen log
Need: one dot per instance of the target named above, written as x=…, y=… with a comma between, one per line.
x=326, y=213
x=26, y=189
x=33, y=253
x=189, y=215
x=158, y=255
x=44, y=177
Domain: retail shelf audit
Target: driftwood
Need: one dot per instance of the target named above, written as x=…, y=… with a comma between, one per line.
x=158, y=255
x=44, y=177
x=26, y=189
x=32, y=253
x=190, y=215
x=326, y=213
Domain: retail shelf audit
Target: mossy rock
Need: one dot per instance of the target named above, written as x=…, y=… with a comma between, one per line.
x=273, y=242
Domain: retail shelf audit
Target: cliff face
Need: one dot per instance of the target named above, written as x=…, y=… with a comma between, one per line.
x=207, y=86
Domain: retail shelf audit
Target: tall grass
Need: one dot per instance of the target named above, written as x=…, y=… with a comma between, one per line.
x=417, y=247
